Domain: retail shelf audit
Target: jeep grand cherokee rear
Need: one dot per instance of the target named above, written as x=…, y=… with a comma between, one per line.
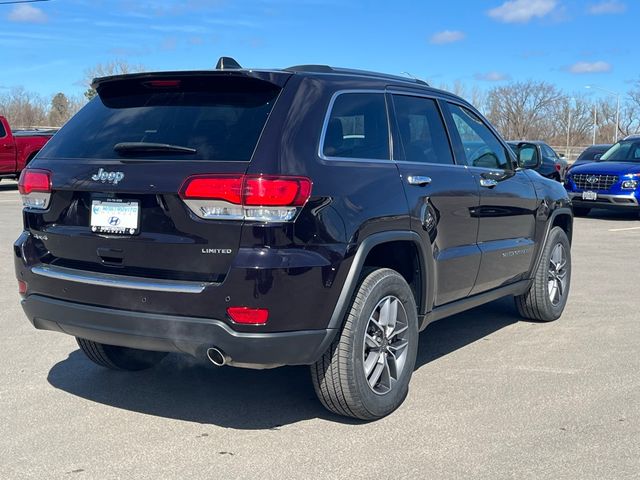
x=307, y=216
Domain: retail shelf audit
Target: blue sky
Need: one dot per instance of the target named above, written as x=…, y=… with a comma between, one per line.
x=46, y=46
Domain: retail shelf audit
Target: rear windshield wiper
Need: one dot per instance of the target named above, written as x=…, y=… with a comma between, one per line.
x=125, y=148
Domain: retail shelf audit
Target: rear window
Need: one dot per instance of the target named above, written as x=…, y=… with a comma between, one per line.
x=219, y=118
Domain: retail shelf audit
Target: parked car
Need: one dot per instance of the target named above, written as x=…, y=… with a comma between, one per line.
x=591, y=154
x=612, y=182
x=552, y=166
x=18, y=148
x=306, y=216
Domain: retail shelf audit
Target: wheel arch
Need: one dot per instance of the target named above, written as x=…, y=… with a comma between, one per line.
x=382, y=250
x=563, y=219
x=560, y=217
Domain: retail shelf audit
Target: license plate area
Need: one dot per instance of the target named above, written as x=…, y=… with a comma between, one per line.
x=115, y=216
x=589, y=196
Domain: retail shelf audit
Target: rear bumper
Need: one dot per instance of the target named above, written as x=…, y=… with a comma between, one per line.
x=611, y=201
x=170, y=333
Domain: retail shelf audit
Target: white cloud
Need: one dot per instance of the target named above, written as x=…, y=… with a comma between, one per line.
x=27, y=13
x=447, y=36
x=607, y=7
x=522, y=11
x=492, y=77
x=590, y=67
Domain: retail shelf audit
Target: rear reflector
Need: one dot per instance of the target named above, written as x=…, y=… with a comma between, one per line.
x=35, y=187
x=22, y=287
x=246, y=197
x=248, y=316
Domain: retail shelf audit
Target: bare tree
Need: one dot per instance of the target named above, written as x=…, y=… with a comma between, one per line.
x=520, y=110
x=570, y=119
x=23, y=108
x=114, y=67
x=476, y=96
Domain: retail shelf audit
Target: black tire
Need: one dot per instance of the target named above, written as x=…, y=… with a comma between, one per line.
x=339, y=377
x=581, y=211
x=540, y=303
x=119, y=358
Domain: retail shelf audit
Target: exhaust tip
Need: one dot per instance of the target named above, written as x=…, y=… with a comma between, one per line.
x=216, y=357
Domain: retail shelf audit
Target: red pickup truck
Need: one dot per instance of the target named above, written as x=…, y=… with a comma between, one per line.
x=18, y=148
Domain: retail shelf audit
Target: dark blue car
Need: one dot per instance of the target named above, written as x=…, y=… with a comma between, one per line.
x=613, y=181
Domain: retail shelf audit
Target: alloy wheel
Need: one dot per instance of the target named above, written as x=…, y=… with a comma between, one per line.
x=385, y=345
x=557, y=278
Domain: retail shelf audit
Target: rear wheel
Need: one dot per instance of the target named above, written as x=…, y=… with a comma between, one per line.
x=119, y=358
x=547, y=296
x=365, y=373
x=581, y=211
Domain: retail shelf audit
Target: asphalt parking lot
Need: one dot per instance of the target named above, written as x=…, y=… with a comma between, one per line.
x=492, y=396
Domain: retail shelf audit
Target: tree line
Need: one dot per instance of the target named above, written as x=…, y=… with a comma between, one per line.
x=531, y=110
x=538, y=110
x=24, y=109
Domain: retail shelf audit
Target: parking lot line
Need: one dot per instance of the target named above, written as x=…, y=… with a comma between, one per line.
x=624, y=229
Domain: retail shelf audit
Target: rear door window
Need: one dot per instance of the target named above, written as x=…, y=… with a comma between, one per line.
x=357, y=127
x=219, y=118
x=422, y=132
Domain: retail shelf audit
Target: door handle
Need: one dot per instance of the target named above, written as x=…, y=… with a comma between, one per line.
x=418, y=180
x=488, y=182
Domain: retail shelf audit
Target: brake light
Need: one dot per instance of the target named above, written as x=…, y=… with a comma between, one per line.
x=246, y=197
x=162, y=83
x=248, y=316
x=215, y=188
x=35, y=187
x=558, y=167
x=267, y=191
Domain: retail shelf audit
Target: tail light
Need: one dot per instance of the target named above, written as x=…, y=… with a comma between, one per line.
x=246, y=197
x=558, y=167
x=35, y=187
x=248, y=316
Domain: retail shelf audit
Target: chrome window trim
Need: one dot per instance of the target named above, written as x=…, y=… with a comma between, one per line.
x=406, y=162
x=119, y=281
x=325, y=125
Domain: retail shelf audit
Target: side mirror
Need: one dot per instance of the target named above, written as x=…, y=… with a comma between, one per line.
x=528, y=156
x=597, y=157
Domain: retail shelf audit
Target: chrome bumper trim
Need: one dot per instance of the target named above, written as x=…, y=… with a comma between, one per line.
x=609, y=199
x=119, y=281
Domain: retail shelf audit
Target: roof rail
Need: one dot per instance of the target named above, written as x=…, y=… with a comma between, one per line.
x=350, y=71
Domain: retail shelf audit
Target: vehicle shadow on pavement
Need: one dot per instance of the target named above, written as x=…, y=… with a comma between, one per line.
x=6, y=187
x=187, y=389
x=450, y=334
x=614, y=215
